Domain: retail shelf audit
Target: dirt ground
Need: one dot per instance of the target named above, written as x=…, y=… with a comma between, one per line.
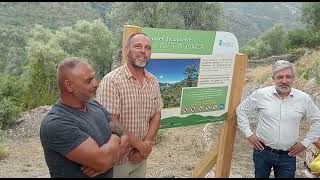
x=177, y=152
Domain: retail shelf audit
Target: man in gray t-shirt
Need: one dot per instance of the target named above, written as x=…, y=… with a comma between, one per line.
x=76, y=135
x=64, y=128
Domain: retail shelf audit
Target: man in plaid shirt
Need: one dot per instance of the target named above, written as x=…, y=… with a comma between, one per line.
x=132, y=95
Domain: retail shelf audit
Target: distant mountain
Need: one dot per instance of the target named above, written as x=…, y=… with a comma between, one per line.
x=247, y=20
x=164, y=84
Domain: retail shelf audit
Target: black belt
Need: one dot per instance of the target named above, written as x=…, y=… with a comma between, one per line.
x=275, y=150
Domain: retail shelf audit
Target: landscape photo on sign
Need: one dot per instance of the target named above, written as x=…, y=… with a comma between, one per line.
x=173, y=75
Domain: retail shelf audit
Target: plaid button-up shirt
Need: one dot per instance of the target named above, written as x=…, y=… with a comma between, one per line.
x=120, y=93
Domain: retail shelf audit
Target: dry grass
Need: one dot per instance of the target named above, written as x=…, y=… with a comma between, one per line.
x=260, y=75
x=4, y=151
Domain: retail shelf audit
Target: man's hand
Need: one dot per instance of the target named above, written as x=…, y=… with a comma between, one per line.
x=255, y=142
x=135, y=156
x=296, y=149
x=116, y=142
x=90, y=172
x=145, y=148
x=124, y=145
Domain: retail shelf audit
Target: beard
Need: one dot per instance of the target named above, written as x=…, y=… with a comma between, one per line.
x=284, y=88
x=139, y=63
x=84, y=97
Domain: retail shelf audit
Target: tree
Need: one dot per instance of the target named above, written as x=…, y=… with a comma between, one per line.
x=191, y=74
x=145, y=14
x=90, y=40
x=10, y=97
x=272, y=42
x=311, y=15
x=15, y=60
x=41, y=85
x=18, y=18
x=275, y=39
x=297, y=38
x=200, y=15
x=182, y=15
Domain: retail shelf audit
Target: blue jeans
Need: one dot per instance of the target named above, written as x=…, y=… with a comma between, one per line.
x=284, y=166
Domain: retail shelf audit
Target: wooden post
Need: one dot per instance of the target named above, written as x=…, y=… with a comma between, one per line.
x=206, y=163
x=128, y=30
x=221, y=153
x=227, y=136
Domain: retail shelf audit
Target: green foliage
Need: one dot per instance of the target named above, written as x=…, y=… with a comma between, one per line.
x=90, y=40
x=191, y=74
x=303, y=38
x=11, y=90
x=171, y=93
x=17, y=18
x=4, y=150
x=45, y=49
x=311, y=15
x=182, y=15
x=200, y=15
x=41, y=85
x=313, y=39
x=9, y=113
x=248, y=20
x=275, y=38
x=297, y=38
x=272, y=42
x=312, y=72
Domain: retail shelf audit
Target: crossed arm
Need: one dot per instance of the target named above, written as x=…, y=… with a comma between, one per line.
x=89, y=154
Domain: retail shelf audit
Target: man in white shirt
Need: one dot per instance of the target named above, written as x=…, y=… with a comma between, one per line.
x=280, y=109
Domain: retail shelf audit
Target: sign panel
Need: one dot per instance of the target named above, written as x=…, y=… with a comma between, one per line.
x=194, y=70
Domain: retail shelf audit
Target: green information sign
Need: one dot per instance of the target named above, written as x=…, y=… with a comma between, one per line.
x=194, y=70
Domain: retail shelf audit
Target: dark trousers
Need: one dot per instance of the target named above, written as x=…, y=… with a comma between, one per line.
x=284, y=166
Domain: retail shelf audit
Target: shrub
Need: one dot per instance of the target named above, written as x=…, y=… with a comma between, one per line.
x=298, y=51
x=9, y=113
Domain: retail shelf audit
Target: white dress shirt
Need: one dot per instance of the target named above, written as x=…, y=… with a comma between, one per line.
x=279, y=119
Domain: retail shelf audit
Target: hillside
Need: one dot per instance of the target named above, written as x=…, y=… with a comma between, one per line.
x=247, y=20
x=18, y=18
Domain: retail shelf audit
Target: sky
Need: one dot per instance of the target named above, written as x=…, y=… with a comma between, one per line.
x=170, y=70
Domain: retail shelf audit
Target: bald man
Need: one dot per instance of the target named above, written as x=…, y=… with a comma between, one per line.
x=76, y=135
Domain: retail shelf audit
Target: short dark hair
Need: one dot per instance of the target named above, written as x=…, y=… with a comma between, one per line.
x=68, y=64
x=134, y=34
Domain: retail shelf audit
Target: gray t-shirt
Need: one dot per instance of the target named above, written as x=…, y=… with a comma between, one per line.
x=64, y=128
